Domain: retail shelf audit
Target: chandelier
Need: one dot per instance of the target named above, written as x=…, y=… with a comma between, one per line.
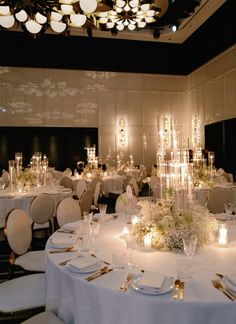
x=37, y=16
x=59, y=16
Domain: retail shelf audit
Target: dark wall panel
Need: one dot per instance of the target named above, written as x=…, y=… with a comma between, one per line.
x=63, y=146
x=220, y=137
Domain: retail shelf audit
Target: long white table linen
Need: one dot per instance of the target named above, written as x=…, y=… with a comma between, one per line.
x=100, y=301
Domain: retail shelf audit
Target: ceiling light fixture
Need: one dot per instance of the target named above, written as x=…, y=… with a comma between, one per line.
x=59, y=16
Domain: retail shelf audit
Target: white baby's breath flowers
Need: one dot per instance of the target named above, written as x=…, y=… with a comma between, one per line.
x=169, y=226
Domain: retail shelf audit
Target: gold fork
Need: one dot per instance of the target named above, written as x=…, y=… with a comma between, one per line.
x=127, y=282
x=181, y=291
x=175, y=294
x=219, y=286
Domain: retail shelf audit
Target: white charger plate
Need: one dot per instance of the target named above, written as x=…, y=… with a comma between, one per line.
x=63, y=244
x=166, y=287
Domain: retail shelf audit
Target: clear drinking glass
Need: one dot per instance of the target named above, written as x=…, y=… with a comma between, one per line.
x=190, y=246
x=130, y=245
x=94, y=228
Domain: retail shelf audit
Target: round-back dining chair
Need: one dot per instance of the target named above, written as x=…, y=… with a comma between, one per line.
x=66, y=182
x=42, y=210
x=123, y=203
x=86, y=200
x=68, y=211
x=18, y=231
x=217, y=198
x=81, y=187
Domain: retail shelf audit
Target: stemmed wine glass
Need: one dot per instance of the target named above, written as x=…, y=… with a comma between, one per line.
x=94, y=228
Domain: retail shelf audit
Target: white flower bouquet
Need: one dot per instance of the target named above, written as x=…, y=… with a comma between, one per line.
x=169, y=226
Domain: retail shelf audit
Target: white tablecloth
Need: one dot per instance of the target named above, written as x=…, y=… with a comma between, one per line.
x=10, y=200
x=100, y=302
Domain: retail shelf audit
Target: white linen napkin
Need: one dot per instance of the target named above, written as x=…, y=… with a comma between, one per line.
x=85, y=264
x=230, y=281
x=151, y=282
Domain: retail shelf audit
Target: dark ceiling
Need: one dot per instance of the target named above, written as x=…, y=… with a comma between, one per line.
x=216, y=35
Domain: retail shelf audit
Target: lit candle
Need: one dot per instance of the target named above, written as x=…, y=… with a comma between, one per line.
x=223, y=237
x=134, y=219
x=147, y=240
x=125, y=232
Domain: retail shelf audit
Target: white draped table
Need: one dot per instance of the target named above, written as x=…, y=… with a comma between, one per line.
x=100, y=301
x=10, y=200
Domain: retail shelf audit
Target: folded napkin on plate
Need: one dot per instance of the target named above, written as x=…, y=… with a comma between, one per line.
x=63, y=241
x=71, y=226
x=85, y=263
x=230, y=281
x=151, y=281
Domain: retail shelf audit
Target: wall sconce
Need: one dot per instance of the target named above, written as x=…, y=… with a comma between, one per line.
x=122, y=132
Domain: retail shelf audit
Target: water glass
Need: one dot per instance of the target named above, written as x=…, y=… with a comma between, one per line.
x=118, y=260
x=190, y=245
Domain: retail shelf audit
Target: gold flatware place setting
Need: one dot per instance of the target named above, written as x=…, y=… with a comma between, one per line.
x=178, y=290
x=218, y=284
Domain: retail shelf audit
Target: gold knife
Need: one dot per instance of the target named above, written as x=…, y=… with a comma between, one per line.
x=99, y=274
x=181, y=291
x=175, y=294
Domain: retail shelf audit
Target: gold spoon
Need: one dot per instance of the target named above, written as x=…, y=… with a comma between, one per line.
x=176, y=289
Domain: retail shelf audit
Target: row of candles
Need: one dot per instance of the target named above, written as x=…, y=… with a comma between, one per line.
x=38, y=164
x=147, y=240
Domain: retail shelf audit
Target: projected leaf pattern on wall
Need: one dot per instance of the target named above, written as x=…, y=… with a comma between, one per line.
x=51, y=102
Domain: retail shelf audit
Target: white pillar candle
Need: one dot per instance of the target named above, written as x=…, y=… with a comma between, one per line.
x=147, y=240
x=223, y=234
x=134, y=219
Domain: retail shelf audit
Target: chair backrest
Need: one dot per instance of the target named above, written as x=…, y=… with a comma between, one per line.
x=217, y=198
x=134, y=186
x=92, y=184
x=96, y=194
x=66, y=182
x=68, y=210
x=81, y=187
x=6, y=177
x=18, y=231
x=42, y=208
x=86, y=200
x=123, y=203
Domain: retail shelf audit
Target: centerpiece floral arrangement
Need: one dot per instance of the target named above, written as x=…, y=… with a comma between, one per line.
x=27, y=179
x=168, y=226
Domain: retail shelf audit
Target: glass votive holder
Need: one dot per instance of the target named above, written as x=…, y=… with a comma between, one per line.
x=223, y=234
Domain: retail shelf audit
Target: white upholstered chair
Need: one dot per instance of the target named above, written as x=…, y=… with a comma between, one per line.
x=19, y=236
x=81, y=187
x=66, y=182
x=22, y=297
x=86, y=200
x=123, y=203
x=42, y=210
x=68, y=210
x=45, y=317
x=217, y=198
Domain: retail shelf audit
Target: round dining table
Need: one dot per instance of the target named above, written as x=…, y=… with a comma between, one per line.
x=10, y=199
x=100, y=301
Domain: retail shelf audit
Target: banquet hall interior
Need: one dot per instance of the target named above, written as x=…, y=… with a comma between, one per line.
x=117, y=145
